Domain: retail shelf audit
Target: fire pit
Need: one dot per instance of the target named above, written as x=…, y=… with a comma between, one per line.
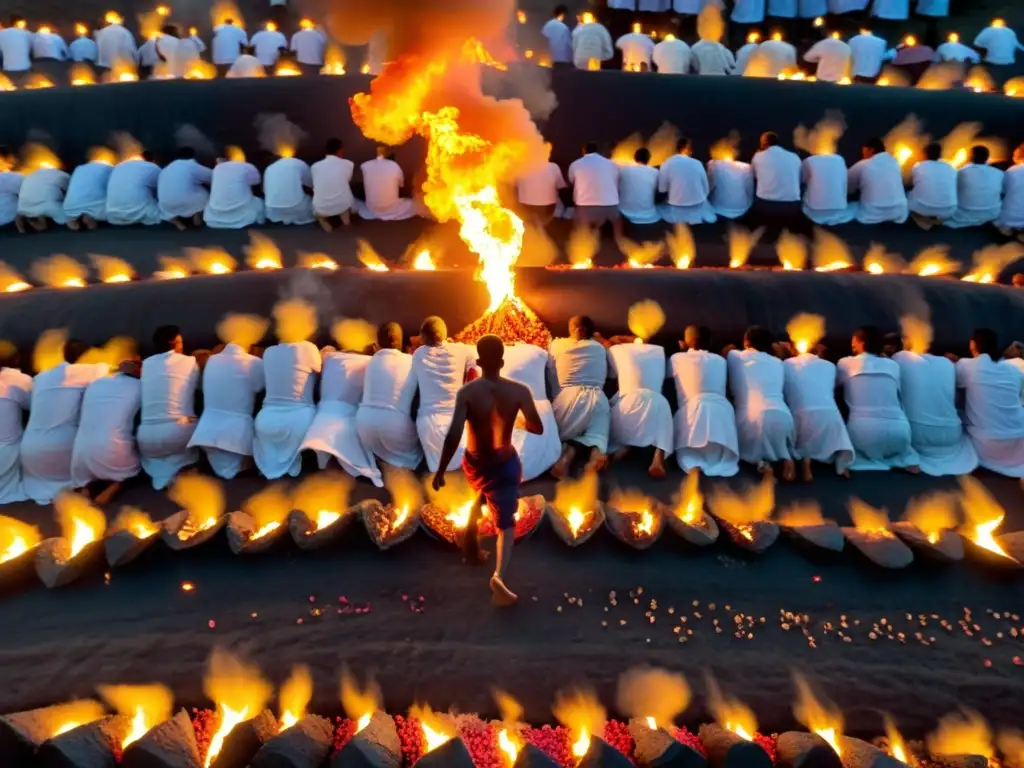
x=803, y=522
x=323, y=528
x=531, y=513
x=22, y=733
x=688, y=518
x=182, y=531
x=18, y=541
x=872, y=536
x=201, y=516
x=131, y=534
x=944, y=545
x=576, y=524
x=62, y=559
x=512, y=322
x=321, y=509
x=745, y=516
x=171, y=744
x=261, y=522
x=634, y=519
x=303, y=745
x=86, y=746
x=389, y=526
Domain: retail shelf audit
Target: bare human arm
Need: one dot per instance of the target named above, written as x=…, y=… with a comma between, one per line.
x=528, y=418
x=452, y=439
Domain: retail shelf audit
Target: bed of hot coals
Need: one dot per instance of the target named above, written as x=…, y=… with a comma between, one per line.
x=946, y=527
x=135, y=726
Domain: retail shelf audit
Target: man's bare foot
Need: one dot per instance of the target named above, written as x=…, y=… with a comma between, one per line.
x=597, y=461
x=807, y=474
x=107, y=494
x=766, y=468
x=73, y=225
x=38, y=223
x=845, y=473
x=657, y=469
x=501, y=595
x=325, y=225
x=178, y=224
x=89, y=221
x=788, y=470
x=914, y=470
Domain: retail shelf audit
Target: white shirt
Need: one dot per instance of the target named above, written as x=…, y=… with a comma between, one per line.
x=685, y=181
x=114, y=43
x=809, y=383
x=732, y=187
x=824, y=177
x=590, y=41
x=88, y=186
x=950, y=51
x=182, y=182
x=541, y=187
x=1000, y=44
x=227, y=43
x=10, y=186
x=382, y=182
x=332, y=185
x=440, y=372
x=49, y=45
x=147, y=55
x=636, y=50
x=231, y=379
x=637, y=187
x=559, y=39
x=868, y=54
x=283, y=182
x=934, y=184
x=780, y=55
x=105, y=443
x=231, y=185
x=15, y=396
x=672, y=57
x=308, y=46
x=290, y=371
x=743, y=56
x=16, y=49
x=130, y=183
x=582, y=363
x=697, y=373
x=595, y=180
x=933, y=7
x=1013, y=198
x=756, y=380
x=833, y=57
x=979, y=187
x=777, y=173
x=871, y=387
x=42, y=188
x=389, y=381
x=928, y=389
x=341, y=380
x=992, y=404
x=712, y=58
x=748, y=11
x=169, y=382
x=637, y=366
x=83, y=49
x=246, y=65
x=879, y=180
x=268, y=46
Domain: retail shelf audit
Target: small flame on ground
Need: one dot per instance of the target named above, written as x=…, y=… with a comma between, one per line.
x=508, y=747
x=317, y=261
x=741, y=243
x=869, y=520
x=359, y=703
x=136, y=522
x=731, y=713
x=983, y=515
x=989, y=261
x=424, y=261
x=211, y=261
x=961, y=733
x=933, y=260
x=878, y=261
x=369, y=257
x=792, y=251
x=80, y=522
x=455, y=499
x=60, y=271
x=820, y=717
x=582, y=714
x=897, y=746
x=576, y=499
x=753, y=504
x=287, y=68
x=932, y=514
x=406, y=493
x=655, y=694
x=830, y=252
x=800, y=513
x=146, y=705
x=37, y=82
x=65, y=717
x=262, y=252
x=11, y=280
x=268, y=509
x=202, y=497
x=334, y=61
x=122, y=71
x=437, y=729
x=805, y=330
x=681, y=246
x=239, y=691
x=112, y=269
x=172, y=268
x=294, y=697
x=582, y=247
x=16, y=538
x=688, y=504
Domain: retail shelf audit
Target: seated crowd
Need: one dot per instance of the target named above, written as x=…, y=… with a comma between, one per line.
x=764, y=405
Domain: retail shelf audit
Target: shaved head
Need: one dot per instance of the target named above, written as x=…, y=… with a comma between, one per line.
x=490, y=352
x=389, y=336
x=697, y=337
x=433, y=331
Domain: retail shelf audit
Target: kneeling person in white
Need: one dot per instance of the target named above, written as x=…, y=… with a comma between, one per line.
x=877, y=425
x=86, y=198
x=993, y=414
x=183, y=189
x=825, y=190
x=538, y=452
x=383, y=180
x=232, y=204
x=231, y=380
x=286, y=186
x=384, y=420
x=979, y=192
x=15, y=396
x=332, y=186
x=41, y=199
x=169, y=381
x=764, y=423
x=581, y=408
x=105, y=444
x=49, y=439
x=705, y=424
x=686, y=182
x=131, y=192
x=933, y=197
x=878, y=179
x=333, y=431
x=638, y=186
x=641, y=416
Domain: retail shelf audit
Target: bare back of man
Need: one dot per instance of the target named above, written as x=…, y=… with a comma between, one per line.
x=492, y=407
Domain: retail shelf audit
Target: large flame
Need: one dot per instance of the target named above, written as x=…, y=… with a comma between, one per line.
x=455, y=499
x=983, y=515
x=262, y=252
x=202, y=497
x=60, y=271
x=323, y=497
x=49, y=349
x=731, y=713
x=582, y=714
x=239, y=691
x=582, y=247
x=961, y=733
x=294, y=696
x=112, y=269
x=917, y=334
x=136, y=522
x=16, y=538
x=806, y=330
x=360, y=703
x=897, y=746
x=820, y=717
x=62, y=718
x=268, y=509
x=688, y=504
x=653, y=693
x=80, y=522
x=146, y=706
x=575, y=500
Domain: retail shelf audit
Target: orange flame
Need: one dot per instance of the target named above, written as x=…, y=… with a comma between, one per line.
x=582, y=714
x=10, y=280
x=869, y=520
x=16, y=538
x=575, y=500
x=731, y=713
x=122, y=71
x=65, y=717
x=172, y=268
x=359, y=703
x=369, y=257
x=962, y=733
x=877, y=261
x=112, y=269
x=688, y=505
x=146, y=705
x=323, y=497
x=137, y=522
x=37, y=81
x=211, y=261
x=317, y=261
x=741, y=243
x=897, y=746
x=424, y=261
x=80, y=522
x=984, y=515
x=334, y=61
x=437, y=729
x=681, y=246
x=294, y=696
x=806, y=330
x=202, y=497
x=239, y=691
x=262, y=252
x=933, y=515
x=933, y=261
x=820, y=717
x=268, y=509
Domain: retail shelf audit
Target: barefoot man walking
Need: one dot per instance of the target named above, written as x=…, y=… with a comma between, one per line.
x=491, y=406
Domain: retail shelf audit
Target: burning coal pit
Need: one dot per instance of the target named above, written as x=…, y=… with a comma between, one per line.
x=389, y=526
x=729, y=749
x=171, y=744
x=375, y=744
x=131, y=534
x=755, y=537
x=575, y=525
x=184, y=531
x=303, y=745
x=638, y=526
x=324, y=527
x=688, y=518
x=512, y=322
x=18, y=542
x=656, y=746
x=60, y=562
x=247, y=536
x=238, y=747
x=528, y=517
x=23, y=733
x=944, y=546
x=799, y=749
x=88, y=746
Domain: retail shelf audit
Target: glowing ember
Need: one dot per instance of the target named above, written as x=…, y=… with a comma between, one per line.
x=325, y=519
x=187, y=586
x=317, y=261
x=423, y=261
x=508, y=747
x=513, y=322
x=16, y=538
x=746, y=531
x=833, y=266
x=363, y=721
x=186, y=532
x=287, y=69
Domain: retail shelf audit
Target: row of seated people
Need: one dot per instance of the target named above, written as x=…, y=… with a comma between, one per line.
x=138, y=191
x=777, y=186
x=383, y=405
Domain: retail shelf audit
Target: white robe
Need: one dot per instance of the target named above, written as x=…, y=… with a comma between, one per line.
x=131, y=193
x=382, y=183
x=105, y=444
x=764, y=424
x=993, y=414
x=877, y=425
x=42, y=194
x=169, y=382
x=833, y=58
x=49, y=438
x=10, y=186
x=732, y=187
x=285, y=182
x=686, y=182
x=527, y=364
x=705, y=424
x=809, y=388
x=934, y=189
x=384, y=420
x=743, y=56
x=87, y=191
x=641, y=416
x=928, y=389
x=825, y=195
x=440, y=371
x=979, y=195
x=15, y=396
x=591, y=41
x=637, y=49
x=779, y=55
x=879, y=180
x=637, y=187
x=333, y=431
x=231, y=204
x=671, y=57
x=182, y=189
x=231, y=380
x=1012, y=213
x=898, y=10
x=712, y=58
x=581, y=408
x=748, y=11
x=287, y=412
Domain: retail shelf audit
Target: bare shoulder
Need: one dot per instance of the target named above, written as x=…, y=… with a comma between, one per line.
x=521, y=391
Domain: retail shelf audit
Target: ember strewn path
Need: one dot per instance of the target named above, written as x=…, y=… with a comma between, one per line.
x=142, y=627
